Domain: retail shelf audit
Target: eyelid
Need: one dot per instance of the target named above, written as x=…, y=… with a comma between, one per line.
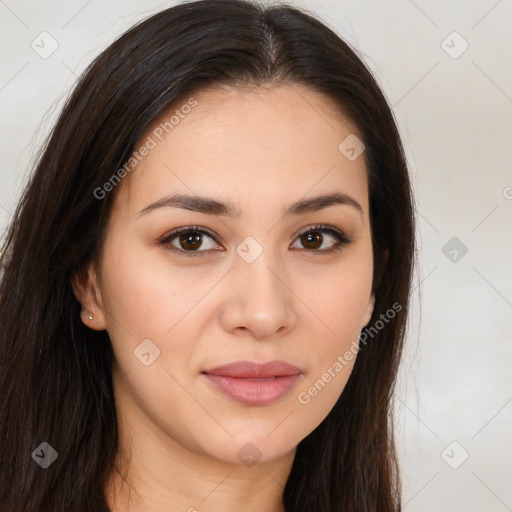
x=186, y=229
x=324, y=228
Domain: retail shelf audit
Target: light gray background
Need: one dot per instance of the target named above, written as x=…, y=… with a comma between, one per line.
x=455, y=116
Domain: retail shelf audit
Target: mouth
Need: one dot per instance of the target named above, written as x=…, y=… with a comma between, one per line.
x=252, y=383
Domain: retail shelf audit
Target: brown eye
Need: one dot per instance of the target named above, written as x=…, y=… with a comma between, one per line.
x=313, y=239
x=189, y=241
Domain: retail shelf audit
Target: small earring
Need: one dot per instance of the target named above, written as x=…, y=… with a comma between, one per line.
x=90, y=316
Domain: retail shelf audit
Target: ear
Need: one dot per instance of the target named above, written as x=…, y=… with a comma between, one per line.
x=368, y=311
x=87, y=291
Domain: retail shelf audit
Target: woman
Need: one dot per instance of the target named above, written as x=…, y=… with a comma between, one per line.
x=205, y=285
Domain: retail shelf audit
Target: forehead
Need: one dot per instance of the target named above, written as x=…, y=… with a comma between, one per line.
x=272, y=144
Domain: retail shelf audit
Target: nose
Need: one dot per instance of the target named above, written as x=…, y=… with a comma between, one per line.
x=259, y=299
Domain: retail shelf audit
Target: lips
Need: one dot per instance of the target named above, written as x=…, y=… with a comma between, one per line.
x=253, y=383
x=249, y=369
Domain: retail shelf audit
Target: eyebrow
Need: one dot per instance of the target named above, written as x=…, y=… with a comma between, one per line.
x=211, y=206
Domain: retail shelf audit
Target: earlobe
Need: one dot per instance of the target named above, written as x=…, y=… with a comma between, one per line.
x=87, y=292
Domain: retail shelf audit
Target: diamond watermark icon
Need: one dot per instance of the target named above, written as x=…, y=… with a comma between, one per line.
x=249, y=454
x=249, y=250
x=146, y=352
x=44, y=455
x=454, y=249
x=351, y=147
x=454, y=455
x=454, y=45
x=44, y=45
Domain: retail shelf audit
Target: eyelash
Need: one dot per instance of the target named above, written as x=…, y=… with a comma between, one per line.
x=341, y=239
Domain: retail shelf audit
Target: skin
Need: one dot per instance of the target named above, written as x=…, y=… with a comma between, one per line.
x=261, y=150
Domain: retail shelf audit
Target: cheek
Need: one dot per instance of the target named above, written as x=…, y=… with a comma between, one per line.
x=334, y=335
x=146, y=295
x=149, y=299
x=339, y=303
x=338, y=298
x=342, y=303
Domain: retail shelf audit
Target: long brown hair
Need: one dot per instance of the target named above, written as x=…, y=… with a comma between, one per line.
x=56, y=374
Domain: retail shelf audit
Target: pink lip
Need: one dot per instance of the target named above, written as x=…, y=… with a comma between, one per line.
x=253, y=383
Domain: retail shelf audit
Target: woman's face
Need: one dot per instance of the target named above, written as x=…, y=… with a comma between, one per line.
x=255, y=285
